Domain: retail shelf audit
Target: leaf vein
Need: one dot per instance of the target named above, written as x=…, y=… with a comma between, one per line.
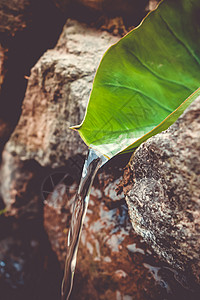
x=139, y=92
x=180, y=40
x=156, y=74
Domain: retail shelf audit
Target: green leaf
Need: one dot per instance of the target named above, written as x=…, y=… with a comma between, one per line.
x=146, y=80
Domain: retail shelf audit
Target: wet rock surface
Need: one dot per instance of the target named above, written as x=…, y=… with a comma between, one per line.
x=162, y=193
x=113, y=261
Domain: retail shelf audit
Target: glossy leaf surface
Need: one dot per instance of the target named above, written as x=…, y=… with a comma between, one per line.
x=146, y=80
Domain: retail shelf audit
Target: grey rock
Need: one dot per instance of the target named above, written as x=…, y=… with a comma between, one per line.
x=163, y=192
x=56, y=97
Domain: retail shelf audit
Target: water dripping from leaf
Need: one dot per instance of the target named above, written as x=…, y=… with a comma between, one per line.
x=93, y=162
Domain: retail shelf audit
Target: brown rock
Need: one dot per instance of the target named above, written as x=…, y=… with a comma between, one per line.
x=110, y=256
x=113, y=261
x=163, y=193
x=56, y=97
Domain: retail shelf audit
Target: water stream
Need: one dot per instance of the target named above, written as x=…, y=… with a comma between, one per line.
x=93, y=162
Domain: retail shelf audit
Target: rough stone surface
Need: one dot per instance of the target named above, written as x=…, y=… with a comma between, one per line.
x=113, y=262
x=56, y=97
x=58, y=203
x=163, y=192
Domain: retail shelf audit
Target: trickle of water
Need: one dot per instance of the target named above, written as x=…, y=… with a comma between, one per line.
x=94, y=161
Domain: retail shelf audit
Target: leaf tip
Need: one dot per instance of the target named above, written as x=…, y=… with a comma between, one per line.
x=75, y=127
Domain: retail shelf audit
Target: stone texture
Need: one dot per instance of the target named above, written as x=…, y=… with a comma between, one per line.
x=58, y=203
x=113, y=262
x=56, y=97
x=162, y=186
